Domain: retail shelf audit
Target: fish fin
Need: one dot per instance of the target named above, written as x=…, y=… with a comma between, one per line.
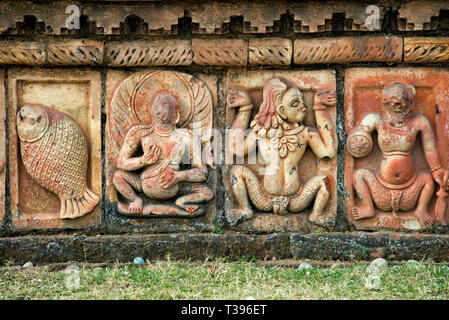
x=77, y=207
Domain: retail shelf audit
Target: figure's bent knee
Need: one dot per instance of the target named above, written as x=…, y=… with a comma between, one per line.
x=237, y=170
x=207, y=193
x=118, y=176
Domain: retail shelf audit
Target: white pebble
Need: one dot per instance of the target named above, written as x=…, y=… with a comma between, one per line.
x=138, y=260
x=29, y=264
x=305, y=266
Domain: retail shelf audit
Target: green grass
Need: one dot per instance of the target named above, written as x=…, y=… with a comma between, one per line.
x=227, y=280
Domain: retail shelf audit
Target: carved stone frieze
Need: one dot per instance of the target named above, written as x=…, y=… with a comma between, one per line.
x=223, y=52
x=397, y=163
x=282, y=135
x=426, y=50
x=348, y=49
x=168, y=116
x=150, y=53
x=15, y=52
x=270, y=51
x=75, y=52
x=55, y=148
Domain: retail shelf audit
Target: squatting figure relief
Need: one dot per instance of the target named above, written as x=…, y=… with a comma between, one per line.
x=280, y=136
x=396, y=187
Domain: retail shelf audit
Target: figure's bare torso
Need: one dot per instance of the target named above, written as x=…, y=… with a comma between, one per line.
x=396, y=144
x=282, y=174
x=172, y=149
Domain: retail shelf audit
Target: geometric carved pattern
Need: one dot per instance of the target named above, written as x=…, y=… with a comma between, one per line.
x=22, y=53
x=151, y=53
x=223, y=52
x=270, y=51
x=75, y=52
x=57, y=161
x=424, y=50
x=343, y=50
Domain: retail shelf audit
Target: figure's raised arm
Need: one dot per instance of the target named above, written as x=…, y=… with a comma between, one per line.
x=323, y=141
x=239, y=144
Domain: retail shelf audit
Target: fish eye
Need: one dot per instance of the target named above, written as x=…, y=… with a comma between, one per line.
x=32, y=121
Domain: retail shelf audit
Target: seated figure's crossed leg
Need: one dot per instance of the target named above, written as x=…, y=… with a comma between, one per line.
x=192, y=194
x=127, y=183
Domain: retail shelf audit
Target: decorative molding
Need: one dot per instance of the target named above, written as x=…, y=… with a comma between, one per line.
x=345, y=50
x=149, y=53
x=75, y=52
x=426, y=50
x=222, y=52
x=270, y=51
x=28, y=53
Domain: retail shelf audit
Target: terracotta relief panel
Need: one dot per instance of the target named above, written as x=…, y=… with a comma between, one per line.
x=280, y=172
x=55, y=148
x=159, y=158
x=397, y=148
x=2, y=147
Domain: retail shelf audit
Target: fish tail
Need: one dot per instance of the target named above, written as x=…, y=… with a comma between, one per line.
x=77, y=207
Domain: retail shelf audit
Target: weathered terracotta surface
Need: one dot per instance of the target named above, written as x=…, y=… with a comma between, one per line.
x=17, y=52
x=297, y=109
x=150, y=53
x=222, y=52
x=142, y=114
x=55, y=148
x=347, y=49
x=417, y=15
x=426, y=50
x=207, y=17
x=75, y=52
x=270, y=51
x=398, y=180
x=2, y=147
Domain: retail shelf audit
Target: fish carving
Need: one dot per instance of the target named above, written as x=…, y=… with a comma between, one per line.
x=54, y=152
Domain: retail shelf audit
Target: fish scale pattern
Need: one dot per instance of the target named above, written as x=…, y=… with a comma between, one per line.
x=57, y=161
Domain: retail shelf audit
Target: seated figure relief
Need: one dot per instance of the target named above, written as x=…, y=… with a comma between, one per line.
x=396, y=187
x=281, y=138
x=150, y=162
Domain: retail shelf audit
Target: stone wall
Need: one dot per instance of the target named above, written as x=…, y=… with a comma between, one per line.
x=322, y=128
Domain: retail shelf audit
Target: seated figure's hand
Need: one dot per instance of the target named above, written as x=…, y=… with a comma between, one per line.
x=325, y=98
x=168, y=177
x=441, y=176
x=151, y=155
x=238, y=98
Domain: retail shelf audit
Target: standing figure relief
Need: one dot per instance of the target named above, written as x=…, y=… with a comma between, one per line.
x=280, y=137
x=397, y=187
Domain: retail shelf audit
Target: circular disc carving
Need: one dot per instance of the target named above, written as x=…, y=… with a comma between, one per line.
x=359, y=144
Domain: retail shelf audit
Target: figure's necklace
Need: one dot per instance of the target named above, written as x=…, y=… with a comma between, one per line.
x=163, y=133
x=288, y=141
x=399, y=122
